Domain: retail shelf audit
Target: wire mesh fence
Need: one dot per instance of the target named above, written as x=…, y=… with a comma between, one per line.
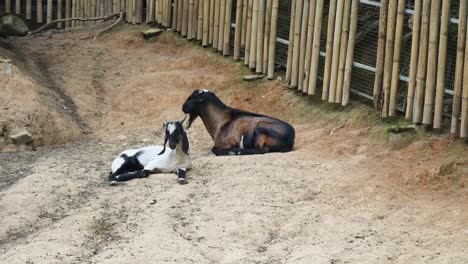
x=365, y=53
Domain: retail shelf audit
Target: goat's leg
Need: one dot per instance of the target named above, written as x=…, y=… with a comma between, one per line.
x=181, y=175
x=131, y=175
x=237, y=151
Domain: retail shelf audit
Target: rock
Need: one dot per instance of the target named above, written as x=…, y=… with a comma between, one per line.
x=361, y=149
x=21, y=137
x=279, y=78
x=14, y=26
x=250, y=78
x=341, y=149
x=447, y=168
x=152, y=32
x=122, y=137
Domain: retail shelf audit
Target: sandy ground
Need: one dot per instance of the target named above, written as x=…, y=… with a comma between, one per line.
x=341, y=198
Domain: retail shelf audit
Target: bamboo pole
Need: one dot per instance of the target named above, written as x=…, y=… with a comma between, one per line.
x=442, y=62
x=190, y=20
x=196, y=4
x=49, y=11
x=459, y=68
x=296, y=44
x=206, y=23
x=329, y=49
x=309, y=46
x=464, y=103
x=139, y=11
x=248, y=32
x=379, y=68
x=260, y=36
x=39, y=11
x=211, y=22
x=185, y=18
x=312, y=82
x=227, y=28
x=159, y=11
x=266, y=36
x=175, y=16
x=169, y=13
x=18, y=7
x=396, y=58
x=245, y=4
x=350, y=51
x=431, y=62
x=7, y=6
x=59, y=13
x=389, y=52
x=152, y=9
x=291, y=41
x=238, y=30
x=222, y=22
x=128, y=10
x=93, y=8
x=272, y=40
x=201, y=12
x=28, y=9
x=422, y=63
x=303, y=44
x=253, y=35
x=343, y=52
x=216, y=24
x=336, y=51
x=414, y=59
x=180, y=14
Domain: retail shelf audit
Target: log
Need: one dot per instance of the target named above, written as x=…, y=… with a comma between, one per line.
x=461, y=42
x=238, y=30
x=350, y=52
x=414, y=59
x=169, y=13
x=422, y=62
x=389, y=50
x=329, y=49
x=180, y=15
x=175, y=17
x=266, y=36
x=272, y=40
x=11, y=25
x=296, y=44
x=379, y=68
x=118, y=21
x=343, y=52
x=260, y=36
x=291, y=41
x=227, y=28
x=336, y=51
x=441, y=65
x=248, y=33
x=253, y=35
x=59, y=13
x=316, y=48
x=7, y=7
x=309, y=46
x=303, y=44
x=431, y=63
x=396, y=58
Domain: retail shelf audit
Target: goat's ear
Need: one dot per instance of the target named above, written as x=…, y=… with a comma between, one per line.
x=185, y=143
x=181, y=121
x=164, y=147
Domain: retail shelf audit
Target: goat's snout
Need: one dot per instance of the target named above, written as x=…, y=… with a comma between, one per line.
x=172, y=145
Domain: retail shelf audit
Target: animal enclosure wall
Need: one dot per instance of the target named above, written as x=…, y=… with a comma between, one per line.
x=400, y=55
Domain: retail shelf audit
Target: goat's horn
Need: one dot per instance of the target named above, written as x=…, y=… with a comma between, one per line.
x=183, y=119
x=165, y=122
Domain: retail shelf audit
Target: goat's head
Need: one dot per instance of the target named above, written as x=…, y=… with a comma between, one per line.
x=175, y=135
x=195, y=102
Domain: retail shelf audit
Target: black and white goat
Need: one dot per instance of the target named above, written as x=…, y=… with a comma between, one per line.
x=140, y=163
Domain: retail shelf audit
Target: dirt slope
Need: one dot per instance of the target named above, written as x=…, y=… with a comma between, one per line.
x=341, y=198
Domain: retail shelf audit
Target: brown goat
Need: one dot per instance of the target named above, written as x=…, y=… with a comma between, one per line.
x=237, y=132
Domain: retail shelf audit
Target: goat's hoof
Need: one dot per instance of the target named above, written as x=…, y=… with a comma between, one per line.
x=113, y=183
x=182, y=181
